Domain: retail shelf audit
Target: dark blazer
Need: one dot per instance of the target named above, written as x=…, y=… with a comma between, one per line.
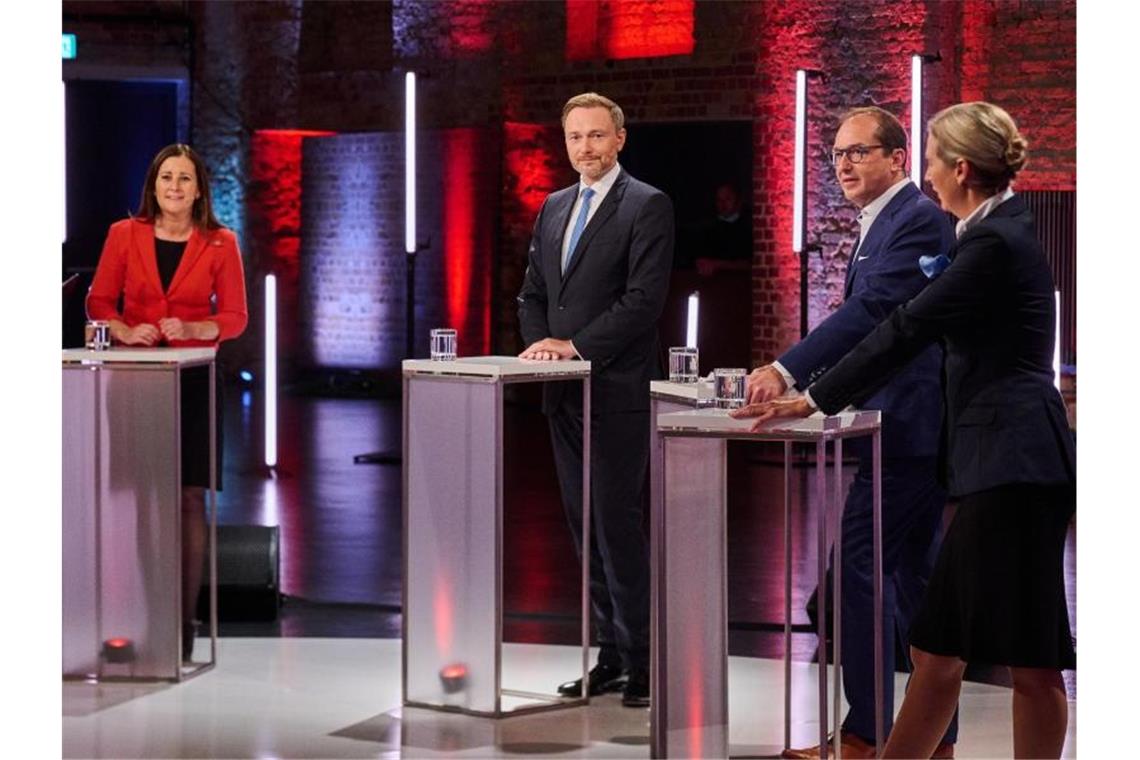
x=883, y=274
x=210, y=269
x=993, y=309
x=611, y=295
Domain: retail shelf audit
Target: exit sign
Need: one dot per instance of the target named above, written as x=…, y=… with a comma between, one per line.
x=70, y=46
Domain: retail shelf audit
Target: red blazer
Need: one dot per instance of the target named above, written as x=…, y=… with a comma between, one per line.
x=210, y=266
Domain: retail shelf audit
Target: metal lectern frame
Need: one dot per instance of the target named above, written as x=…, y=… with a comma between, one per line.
x=91, y=469
x=705, y=732
x=457, y=395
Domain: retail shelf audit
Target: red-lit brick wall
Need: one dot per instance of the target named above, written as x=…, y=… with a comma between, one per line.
x=714, y=83
x=1022, y=56
x=289, y=64
x=826, y=37
x=273, y=223
x=534, y=165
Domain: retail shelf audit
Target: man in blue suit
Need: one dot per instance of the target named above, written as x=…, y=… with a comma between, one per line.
x=897, y=225
x=595, y=284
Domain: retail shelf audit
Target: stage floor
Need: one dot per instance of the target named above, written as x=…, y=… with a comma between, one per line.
x=340, y=698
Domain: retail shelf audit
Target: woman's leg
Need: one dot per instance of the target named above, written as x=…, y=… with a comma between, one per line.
x=1040, y=712
x=193, y=547
x=930, y=701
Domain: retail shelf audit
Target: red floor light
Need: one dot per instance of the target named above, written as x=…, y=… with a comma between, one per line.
x=119, y=650
x=453, y=677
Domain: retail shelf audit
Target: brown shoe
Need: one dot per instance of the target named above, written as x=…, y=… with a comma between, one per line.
x=854, y=748
x=943, y=751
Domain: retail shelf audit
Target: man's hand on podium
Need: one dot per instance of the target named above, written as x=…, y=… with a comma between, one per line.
x=550, y=349
x=764, y=384
x=793, y=406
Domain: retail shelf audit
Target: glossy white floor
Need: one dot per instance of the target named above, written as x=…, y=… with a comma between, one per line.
x=340, y=698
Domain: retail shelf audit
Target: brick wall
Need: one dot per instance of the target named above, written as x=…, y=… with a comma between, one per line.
x=825, y=37
x=503, y=67
x=1022, y=56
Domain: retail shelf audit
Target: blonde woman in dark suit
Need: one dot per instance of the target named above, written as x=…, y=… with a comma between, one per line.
x=997, y=595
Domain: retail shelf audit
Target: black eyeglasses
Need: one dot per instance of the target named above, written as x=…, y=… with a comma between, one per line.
x=855, y=154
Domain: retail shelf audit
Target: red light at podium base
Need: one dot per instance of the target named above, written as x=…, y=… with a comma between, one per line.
x=119, y=650
x=453, y=677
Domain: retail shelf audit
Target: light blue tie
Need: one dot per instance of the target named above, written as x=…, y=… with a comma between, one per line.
x=579, y=225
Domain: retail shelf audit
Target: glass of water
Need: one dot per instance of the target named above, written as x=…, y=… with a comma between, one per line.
x=728, y=387
x=443, y=344
x=97, y=334
x=683, y=364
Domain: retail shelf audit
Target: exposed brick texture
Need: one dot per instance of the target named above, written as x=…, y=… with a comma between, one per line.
x=1022, y=56
x=503, y=69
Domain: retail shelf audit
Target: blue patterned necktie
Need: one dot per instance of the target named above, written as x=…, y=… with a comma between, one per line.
x=579, y=225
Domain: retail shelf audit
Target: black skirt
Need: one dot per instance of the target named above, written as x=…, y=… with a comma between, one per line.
x=997, y=595
x=196, y=427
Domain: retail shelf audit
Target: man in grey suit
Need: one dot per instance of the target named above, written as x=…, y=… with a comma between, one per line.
x=597, y=274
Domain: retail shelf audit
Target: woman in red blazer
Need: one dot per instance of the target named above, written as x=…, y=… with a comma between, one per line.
x=179, y=275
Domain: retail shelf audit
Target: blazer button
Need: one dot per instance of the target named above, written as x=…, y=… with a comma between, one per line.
x=562, y=308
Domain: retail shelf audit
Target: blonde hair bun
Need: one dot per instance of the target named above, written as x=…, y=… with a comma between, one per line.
x=986, y=137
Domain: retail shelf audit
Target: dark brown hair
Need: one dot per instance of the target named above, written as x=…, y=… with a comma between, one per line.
x=202, y=213
x=888, y=130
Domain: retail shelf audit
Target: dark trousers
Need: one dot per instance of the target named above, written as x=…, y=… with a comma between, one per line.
x=913, y=502
x=619, y=549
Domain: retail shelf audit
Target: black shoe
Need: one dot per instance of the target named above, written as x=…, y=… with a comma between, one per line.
x=603, y=679
x=189, y=631
x=636, y=691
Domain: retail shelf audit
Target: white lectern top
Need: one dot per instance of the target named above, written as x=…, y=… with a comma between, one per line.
x=139, y=355
x=496, y=367
x=815, y=427
x=698, y=392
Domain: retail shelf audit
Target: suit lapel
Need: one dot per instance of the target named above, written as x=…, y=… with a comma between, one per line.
x=601, y=216
x=851, y=268
x=195, y=247
x=143, y=249
x=561, y=218
x=870, y=246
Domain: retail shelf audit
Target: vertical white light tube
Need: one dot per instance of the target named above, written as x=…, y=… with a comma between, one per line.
x=270, y=370
x=63, y=141
x=1057, y=339
x=916, y=119
x=691, y=322
x=800, y=163
x=410, y=162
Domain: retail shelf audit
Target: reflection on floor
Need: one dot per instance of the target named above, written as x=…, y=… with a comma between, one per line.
x=341, y=551
x=323, y=679
x=340, y=698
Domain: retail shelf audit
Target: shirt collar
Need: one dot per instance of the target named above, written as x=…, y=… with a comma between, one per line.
x=603, y=185
x=871, y=210
x=982, y=211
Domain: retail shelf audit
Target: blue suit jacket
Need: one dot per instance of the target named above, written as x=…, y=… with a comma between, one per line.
x=884, y=274
x=611, y=295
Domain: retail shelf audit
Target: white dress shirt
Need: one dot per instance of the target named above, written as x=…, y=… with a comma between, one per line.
x=982, y=211
x=867, y=216
x=601, y=189
x=869, y=213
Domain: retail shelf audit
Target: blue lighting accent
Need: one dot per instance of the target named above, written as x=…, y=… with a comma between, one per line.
x=246, y=376
x=70, y=46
